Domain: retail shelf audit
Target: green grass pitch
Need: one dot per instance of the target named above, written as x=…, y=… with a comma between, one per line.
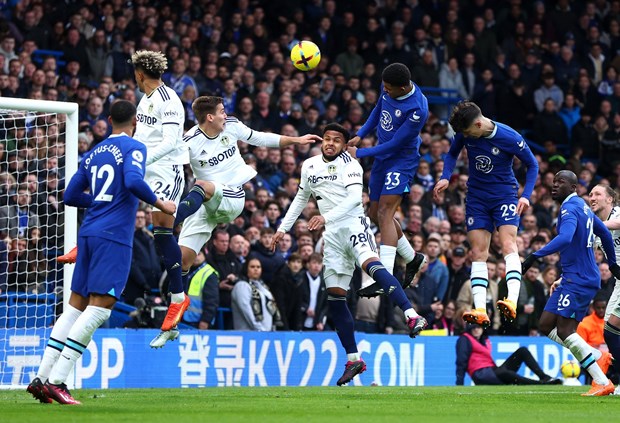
x=503, y=404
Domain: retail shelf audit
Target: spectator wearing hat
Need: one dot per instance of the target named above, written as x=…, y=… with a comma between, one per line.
x=458, y=271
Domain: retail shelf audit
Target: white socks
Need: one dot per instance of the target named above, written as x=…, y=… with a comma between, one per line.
x=177, y=298
x=404, y=248
x=581, y=350
x=353, y=356
x=77, y=340
x=57, y=341
x=513, y=276
x=479, y=283
x=388, y=256
x=411, y=313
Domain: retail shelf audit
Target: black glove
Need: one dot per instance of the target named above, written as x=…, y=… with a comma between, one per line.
x=615, y=270
x=528, y=262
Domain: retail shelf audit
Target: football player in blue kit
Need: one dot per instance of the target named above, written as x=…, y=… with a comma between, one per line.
x=571, y=295
x=398, y=116
x=113, y=174
x=492, y=200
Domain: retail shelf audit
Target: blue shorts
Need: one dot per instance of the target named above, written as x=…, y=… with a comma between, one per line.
x=571, y=299
x=102, y=267
x=489, y=213
x=390, y=178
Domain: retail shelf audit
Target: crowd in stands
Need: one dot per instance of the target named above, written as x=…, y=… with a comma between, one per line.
x=547, y=68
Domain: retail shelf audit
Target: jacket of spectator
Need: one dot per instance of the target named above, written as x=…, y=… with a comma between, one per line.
x=17, y=219
x=204, y=295
x=145, y=270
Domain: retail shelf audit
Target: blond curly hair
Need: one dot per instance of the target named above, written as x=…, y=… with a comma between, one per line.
x=153, y=63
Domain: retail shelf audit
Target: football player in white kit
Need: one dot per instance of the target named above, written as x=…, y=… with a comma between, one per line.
x=603, y=203
x=220, y=172
x=335, y=180
x=160, y=118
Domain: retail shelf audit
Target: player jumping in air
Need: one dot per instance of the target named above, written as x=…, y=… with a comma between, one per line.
x=335, y=180
x=399, y=116
x=160, y=118
x=571, y=295
x=113, y=172
x=220, y=171
x=492, y=199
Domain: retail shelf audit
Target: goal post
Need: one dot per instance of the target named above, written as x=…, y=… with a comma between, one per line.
x=38, y=138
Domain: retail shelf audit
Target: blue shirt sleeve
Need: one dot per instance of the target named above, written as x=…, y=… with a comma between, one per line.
x=607, y=241
x=74, y=193
x=564, y=237
x=453, y=154
x=522, y=151
x=133, y=168
x=410, y=129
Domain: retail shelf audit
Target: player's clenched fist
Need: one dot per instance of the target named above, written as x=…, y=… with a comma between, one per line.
x=354, y=142
x=275, y=239
x=441, y=185
x=166, y=206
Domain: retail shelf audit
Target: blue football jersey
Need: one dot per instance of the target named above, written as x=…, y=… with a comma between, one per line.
x=576, y=227
x=490, y=162
x=105, y=171
x=398, y=122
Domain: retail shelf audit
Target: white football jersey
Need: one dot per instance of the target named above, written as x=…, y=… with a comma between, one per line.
x=161, y=107
x=615, y=234
x=328, y=181
x=218, y=159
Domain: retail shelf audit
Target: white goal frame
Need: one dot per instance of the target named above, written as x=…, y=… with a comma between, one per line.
x=71, y=166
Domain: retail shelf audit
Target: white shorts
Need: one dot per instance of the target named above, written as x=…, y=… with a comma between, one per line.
x=226, y=204
x=347, y=242
x=613, y=305
x=166, y=181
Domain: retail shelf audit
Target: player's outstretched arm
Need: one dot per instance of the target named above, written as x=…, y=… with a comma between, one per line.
x=354, y=142
x=302, y=140
x=613, y=224
x=522, y=205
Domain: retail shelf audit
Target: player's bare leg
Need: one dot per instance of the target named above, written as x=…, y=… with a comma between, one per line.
x=479, y=239
x=508, y=241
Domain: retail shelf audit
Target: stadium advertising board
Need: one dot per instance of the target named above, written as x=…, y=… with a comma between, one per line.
x=121, y=358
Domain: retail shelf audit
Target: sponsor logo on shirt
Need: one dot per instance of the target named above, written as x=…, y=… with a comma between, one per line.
x=313, y=179
x=215, y=160
x=386, y=121
x=149, y=120
x=484, y=164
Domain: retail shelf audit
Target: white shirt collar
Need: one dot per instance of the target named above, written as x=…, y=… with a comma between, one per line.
x=494, y=131
x=409, y=94
x=122, y=134
x=574, y=194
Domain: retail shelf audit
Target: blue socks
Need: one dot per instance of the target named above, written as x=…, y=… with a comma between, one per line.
x=171, y=253
x=612, y=339
x=190, y=204
x=343, y=320
x=377, y=271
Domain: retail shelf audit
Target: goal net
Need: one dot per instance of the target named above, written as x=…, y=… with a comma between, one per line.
x=38, y=155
